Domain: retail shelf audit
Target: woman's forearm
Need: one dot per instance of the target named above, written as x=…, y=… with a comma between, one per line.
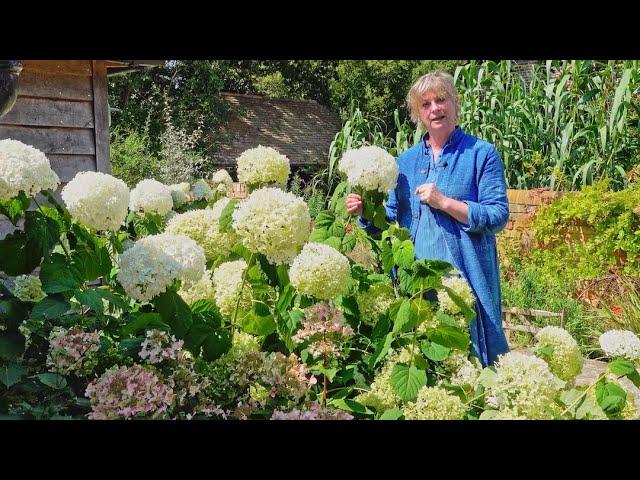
x=457, y=209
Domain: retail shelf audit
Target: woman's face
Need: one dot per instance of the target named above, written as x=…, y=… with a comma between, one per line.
x=437, y=113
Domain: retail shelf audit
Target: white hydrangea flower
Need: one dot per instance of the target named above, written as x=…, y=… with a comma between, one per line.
x=28, y=288
x=320, y=271
x=262, y=166
x=221, y=179
x=460, y=286
x=151, y=196
x=227, y=280
x=566, y=361
x=180, y=193
x=434, y=403
x=154, y=262
x=97, y=200
x=463, y=371
x=203, y=226
x=620, y=343
x=274, y=223
x=24, y=168
x=201, y=190
x=370, y=168
x=374, y=302
x=203, y=289
x=524, y=386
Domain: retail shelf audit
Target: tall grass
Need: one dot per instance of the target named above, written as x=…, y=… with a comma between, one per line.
x=569, y=124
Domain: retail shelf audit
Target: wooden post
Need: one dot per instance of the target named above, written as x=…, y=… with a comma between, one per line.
x=101, y=115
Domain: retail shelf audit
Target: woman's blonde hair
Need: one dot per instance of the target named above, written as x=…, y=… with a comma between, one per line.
x=438, y=82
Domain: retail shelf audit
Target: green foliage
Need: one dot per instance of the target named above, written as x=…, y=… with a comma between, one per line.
x=131, y=158
x=571, y=123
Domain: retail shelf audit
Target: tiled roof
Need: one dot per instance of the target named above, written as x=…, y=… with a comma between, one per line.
x=300, y=129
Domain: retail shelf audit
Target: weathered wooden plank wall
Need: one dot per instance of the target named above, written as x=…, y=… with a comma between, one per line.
x=62, y=109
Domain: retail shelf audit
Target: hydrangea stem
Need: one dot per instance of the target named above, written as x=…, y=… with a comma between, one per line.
x=235, y=310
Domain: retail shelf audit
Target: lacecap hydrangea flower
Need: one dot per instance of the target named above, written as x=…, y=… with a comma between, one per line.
x=369, y=168
x=434, y=403
x=312, y=411
x=524, y=386
x=180, y=193
x=263, y=166
x=320, y=271
x=154, y=262
x=227, y=281
x=203, y=289
x=24, y=168
x=126, y=392
x=201, y=190
x=159, y=346
x=620, y=343
x=566, y=360
x=151, y=196
x=460, y=286
x=272, y=222
x=97, y=200
x=28, y=288
x=374, y=302
x=203, y=226
x=73, y=350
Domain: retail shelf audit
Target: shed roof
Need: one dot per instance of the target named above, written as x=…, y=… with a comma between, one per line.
x=300, y=129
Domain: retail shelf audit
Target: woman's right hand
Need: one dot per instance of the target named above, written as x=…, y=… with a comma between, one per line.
x=354, y=204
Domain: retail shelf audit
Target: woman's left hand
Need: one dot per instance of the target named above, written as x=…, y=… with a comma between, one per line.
x=430, y=195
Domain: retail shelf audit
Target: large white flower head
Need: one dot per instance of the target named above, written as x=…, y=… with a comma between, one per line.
x=203, y=226
x=460, y=286
x=203, y=289
x=24, y=168
x=151, y=196
x=221, y=180
x=434, y=403
x=154, y=262
x=180, y=193
x=201, y=190
x=566, y=360
x=262, y=166
x=320, y=271
x=274, y=223
x=28, y=288
x=370, y=168
x=524, y=386
x=374, y=302
x=227, y=281
x=620, y=343
x=97, y=200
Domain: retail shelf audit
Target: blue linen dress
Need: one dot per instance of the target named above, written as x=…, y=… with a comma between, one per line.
x=469, y=170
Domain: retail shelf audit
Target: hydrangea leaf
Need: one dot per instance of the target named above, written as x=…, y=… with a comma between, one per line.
x=11, y=374
x=611, y=397
x=53, y=380
x=451, y=337
x=12, y=344
x=407, y=381
x=319, y=235
x=382, y=347
x=488, y=377
x=468, y=312
x=174, y=311
x=216, y=344
x=258, y=325
x=226, y=221
x=50, y=307
x=15, y=208
x=488, y=415
x=349, y=405
x=434, y=351
x=142, y=322
x=57, y=276
x=403, y=253
x=392, y=414
x=621, y=367
x=16, y=258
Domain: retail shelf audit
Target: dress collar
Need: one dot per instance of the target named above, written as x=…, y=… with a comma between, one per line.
x=453, y=139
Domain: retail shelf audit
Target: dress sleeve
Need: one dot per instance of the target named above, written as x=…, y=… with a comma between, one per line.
x=491, y=212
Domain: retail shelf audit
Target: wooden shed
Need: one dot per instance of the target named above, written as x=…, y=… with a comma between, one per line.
x=62, y=109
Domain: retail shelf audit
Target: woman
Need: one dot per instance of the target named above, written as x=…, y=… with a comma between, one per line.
x=451, y=195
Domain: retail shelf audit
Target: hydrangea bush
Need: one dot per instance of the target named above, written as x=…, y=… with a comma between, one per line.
x=248, y=310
